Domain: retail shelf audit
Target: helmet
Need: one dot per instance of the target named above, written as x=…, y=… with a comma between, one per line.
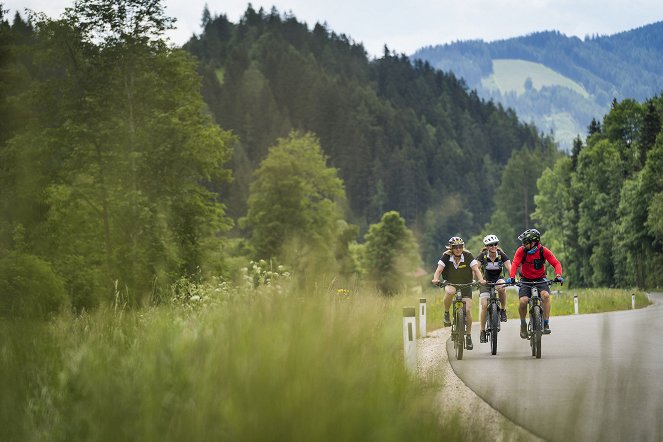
x=455, y=241
x=530, y=235
x=490, y=239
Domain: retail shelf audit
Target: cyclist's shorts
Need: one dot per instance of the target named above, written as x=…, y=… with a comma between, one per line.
x=526, y=290
x=465, y=292
x=484, y=290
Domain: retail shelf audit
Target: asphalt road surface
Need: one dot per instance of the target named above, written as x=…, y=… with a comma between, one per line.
x=600, y=376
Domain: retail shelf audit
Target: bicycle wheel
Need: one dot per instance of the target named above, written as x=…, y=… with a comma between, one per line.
x=494, y=323
x=537, y=331
x=460, y=333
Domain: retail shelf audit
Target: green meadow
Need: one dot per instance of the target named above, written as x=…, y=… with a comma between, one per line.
x=216, y=363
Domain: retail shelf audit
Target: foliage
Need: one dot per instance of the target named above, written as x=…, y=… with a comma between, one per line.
x=390, y=253
x=606, y=222
x=29, y=288
x=111, y=167
x=295, y=206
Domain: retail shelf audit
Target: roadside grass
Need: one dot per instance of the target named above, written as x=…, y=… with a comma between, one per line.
x=589, y=301
x=267, y=364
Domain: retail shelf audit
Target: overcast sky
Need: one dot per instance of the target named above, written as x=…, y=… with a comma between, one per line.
x=405, y=26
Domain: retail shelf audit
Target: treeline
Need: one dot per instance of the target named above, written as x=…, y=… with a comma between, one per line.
x=602, y=207
x=121, y=178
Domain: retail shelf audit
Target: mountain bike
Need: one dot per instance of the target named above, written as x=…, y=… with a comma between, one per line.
x=493, y=310
x=535, y=308
x=459, y=322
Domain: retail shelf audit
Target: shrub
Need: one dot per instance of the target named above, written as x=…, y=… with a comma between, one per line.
x=29, y=288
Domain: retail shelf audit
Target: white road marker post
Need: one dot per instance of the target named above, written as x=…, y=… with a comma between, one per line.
x=409, y=339
x=422, y=317
x=633, y=301
x=575, y=304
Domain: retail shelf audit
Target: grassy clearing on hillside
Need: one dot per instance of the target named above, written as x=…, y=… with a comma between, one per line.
x=510, y=76
x=254, y=365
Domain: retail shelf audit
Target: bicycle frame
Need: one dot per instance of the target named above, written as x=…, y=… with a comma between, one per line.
x=536, y=316
x=459, y=322
x=493, y=316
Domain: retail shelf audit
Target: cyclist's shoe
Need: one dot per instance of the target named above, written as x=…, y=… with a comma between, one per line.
x=482, y=336
x=523, y=331
x=546, y=329
x=503, y=315
x=468, y=342
x=447, y=321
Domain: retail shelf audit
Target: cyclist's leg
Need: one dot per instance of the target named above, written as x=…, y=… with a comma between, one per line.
x=501, y=292
x=483, y=298
x=545, y=296
x=449, y=292
x=467, y=297
x=524, y=293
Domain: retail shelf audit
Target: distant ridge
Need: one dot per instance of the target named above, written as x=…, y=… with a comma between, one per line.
x=624, y=65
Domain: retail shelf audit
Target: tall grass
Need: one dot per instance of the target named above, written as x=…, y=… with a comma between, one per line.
x=254, y=365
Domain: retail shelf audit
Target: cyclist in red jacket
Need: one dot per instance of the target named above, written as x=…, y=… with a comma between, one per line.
x=531, y=257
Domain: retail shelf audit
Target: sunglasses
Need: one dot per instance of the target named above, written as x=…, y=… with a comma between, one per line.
x=494, y=244
x=456, y=247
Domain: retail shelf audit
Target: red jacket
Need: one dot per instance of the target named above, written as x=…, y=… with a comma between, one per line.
x=528, y=263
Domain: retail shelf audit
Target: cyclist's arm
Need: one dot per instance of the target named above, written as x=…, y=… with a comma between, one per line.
x=438, y=271
x=507, y=266
x=474, y=265
x=550, y=257
x=517, y=259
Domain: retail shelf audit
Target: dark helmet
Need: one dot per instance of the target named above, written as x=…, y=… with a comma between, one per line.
x=455, y=241
x=529, y=236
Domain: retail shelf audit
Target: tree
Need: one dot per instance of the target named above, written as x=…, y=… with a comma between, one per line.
x=295, y=206
x=390, y=253
x=127, y=151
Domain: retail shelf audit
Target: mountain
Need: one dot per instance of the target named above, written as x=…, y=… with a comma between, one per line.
x=404, y=136
x=557, y=82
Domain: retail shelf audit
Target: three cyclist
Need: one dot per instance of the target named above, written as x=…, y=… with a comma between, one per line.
x=492, y=260
x=531, y=258
x=458, y=266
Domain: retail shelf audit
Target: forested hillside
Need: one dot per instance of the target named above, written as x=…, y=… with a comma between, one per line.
x=404, y=137
x=624, y=65
x=120, y=177
x=602, y=207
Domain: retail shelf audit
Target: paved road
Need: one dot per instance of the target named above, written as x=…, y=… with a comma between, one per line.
x=600, y=377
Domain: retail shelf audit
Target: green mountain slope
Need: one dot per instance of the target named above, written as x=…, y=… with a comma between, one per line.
x=624, y=65
x=520, y=76
x=403, y=136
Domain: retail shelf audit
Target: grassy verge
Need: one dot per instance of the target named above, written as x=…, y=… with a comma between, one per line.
x=260, y=365
x=589, y=301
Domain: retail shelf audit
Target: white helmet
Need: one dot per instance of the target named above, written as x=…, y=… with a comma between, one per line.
x=490, y=239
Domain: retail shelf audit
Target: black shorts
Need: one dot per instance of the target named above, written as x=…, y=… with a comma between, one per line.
x=526, y=289
x=465, y=292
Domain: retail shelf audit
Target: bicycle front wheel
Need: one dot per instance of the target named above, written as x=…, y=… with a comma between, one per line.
x=494, y=324
x=460, y=333
x=537, y=331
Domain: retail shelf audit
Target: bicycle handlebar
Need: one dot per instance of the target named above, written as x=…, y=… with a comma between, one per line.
x=457, y=285
x=545, y=280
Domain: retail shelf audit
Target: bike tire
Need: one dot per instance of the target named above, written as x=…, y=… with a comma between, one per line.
x=537, y=333
x=494, y=324
x=460, y=333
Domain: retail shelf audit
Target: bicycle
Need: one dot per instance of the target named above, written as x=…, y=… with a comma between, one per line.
x=459, y=322
x=493, y=310
x=535, y=308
